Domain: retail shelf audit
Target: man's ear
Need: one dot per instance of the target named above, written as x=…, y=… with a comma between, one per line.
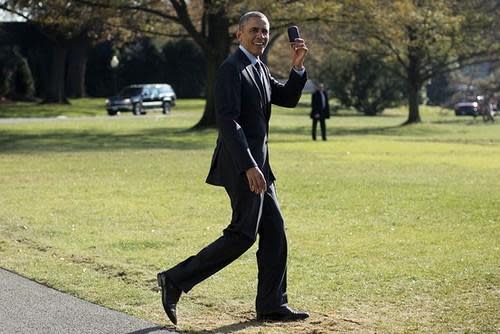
x=238, y=34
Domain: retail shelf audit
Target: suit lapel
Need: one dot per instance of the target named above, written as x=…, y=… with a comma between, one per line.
x=248, y=67
x=251, y=73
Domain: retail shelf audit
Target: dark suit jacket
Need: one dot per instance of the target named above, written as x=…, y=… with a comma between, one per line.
x=317, y=105
x=242, y=116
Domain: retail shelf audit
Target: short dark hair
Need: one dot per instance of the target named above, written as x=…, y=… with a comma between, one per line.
x=245, y=17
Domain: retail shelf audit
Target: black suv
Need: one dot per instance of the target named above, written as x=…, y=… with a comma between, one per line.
x=139, y=98
x=467, y=108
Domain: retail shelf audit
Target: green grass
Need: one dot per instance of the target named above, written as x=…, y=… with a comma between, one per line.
x=391, y=229
x=79, y=107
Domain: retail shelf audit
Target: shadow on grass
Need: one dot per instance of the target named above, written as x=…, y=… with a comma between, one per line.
x=341, y=113
x=398, y=130
x=395, y=130
x=458, y=121
x=237, y=327
x=75, y=140
x=348, y=131
x=69, y=140
x=155, y=329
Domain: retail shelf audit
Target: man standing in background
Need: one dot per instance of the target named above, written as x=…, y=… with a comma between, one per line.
x=320, y=110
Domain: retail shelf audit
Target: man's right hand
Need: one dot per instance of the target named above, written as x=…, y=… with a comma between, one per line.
x=256, y=180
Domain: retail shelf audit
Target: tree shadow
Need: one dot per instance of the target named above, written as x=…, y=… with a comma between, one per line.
x=334, y=114
x=370, y=131
x=71, y=140
x=345, y=131
x=458, y=121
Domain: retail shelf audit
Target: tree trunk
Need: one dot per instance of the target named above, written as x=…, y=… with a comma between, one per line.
x=77, y=64
x=415, y=55
x=219, y=41
x=54, y=92
x=413, y=104
x=208, y=117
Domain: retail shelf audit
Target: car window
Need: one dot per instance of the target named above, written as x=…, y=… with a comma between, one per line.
x=155, y=92
x=130, y=91
x=166, y=89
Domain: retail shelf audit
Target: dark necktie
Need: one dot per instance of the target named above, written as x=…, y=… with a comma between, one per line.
x=260, y=79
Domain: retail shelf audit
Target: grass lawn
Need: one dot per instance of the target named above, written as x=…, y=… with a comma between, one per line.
x=80, y=107
x=391, y=229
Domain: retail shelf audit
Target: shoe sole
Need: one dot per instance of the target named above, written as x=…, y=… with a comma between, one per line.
x=280, y=320
x=285, y=319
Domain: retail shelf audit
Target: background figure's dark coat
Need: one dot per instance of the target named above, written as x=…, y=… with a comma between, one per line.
x=317, y=107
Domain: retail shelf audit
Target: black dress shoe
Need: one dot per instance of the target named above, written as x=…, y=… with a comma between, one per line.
x=170, y=295
x=284, y=313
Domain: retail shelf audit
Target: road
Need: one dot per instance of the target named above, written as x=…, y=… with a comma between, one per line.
x=29, y=307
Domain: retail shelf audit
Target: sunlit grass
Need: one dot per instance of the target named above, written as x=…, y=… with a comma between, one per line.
x=390, y=228
x=77, y=107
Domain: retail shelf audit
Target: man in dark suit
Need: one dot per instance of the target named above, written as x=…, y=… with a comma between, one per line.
x=320, y=110
x=244, y=93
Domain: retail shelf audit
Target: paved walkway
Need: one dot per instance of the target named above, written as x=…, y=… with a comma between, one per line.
x=29, y=307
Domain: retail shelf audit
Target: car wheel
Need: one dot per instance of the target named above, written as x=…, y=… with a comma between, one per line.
x=111, y=113
x=137, y=109
x=166, y=107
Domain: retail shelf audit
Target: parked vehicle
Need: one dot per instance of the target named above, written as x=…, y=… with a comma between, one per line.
x=467, y=108
x=139, y=98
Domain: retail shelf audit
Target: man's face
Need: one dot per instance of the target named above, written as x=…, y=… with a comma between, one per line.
x=254, y=35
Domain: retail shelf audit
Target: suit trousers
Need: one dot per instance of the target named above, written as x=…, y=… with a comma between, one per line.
x=252, y=214
x=315, y=126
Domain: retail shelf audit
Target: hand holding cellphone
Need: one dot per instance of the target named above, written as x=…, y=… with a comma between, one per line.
x=293, y=33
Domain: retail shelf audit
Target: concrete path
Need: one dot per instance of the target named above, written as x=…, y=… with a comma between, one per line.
x=29, y=307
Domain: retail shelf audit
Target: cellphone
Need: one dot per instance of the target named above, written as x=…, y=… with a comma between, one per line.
x=293, y=33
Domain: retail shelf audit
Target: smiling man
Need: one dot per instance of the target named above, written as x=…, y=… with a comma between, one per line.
x=244, y=93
